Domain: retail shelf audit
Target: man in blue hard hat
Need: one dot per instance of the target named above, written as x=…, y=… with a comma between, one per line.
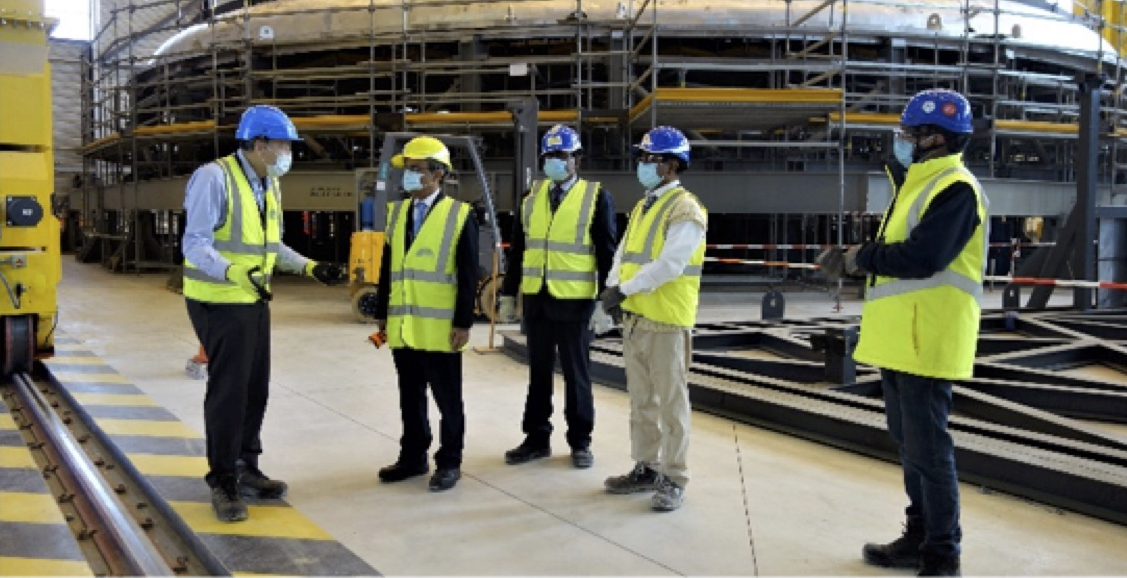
x=562, y=251
x=232, y=243
x=654, y=287
x=920, y=320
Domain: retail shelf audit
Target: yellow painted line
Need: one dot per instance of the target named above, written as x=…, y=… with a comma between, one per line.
x=17, y=457
x=65, y=378
x=144, y=427
x=30, y=508
x=76, y=360
x=121, y=399
x=158, y=465
x=12, y=566
x=6, y=421
x=266, y=521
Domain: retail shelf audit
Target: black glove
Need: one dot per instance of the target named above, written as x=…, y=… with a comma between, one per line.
x=612, y=298
x=329, y=273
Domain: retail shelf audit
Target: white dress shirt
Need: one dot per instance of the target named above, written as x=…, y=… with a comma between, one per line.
x=681, y=240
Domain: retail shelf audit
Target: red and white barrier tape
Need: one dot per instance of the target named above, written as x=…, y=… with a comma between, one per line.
x=809, y=246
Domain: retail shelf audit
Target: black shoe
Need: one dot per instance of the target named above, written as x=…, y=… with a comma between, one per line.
x=903, y=552
x=938, y=565
x=582, y=458
x=254, y=484
x=640, y=479
x=527, y=452
x=399, y=471
x=444, y=479
x=226, y=503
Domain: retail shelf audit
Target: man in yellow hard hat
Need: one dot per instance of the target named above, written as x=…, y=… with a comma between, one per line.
x=425, y=304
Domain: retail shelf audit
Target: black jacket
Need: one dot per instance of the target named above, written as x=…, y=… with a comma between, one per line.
x=465, y=266
x=604, y=236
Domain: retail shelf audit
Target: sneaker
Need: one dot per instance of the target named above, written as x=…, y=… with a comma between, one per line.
x=938, y=565
x=226, y=503
x=582, y=458
x=527, y=452
x=255, y=484
x=903, y=552
x=639, y=479
x=669, y=496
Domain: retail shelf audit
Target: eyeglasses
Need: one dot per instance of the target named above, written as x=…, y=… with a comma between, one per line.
x=417, y=169
x=910, y=133
x=650, y=158
x=562, y=155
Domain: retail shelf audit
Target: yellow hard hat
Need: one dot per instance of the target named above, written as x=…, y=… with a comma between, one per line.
x=423, y=147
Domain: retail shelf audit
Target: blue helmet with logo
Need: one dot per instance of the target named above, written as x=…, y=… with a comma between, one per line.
x=944, y=108
x=560, y=138
x=664, y=140
x=266, y=121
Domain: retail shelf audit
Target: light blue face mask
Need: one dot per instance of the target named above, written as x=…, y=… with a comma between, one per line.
x=902, y=150
x=412, y=181
x=647, y=175
x=556, y=169
x=280, y=166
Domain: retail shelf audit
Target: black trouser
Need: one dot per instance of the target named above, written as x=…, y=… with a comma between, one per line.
x=236, y=338
x=573, y=340
x=443, y=372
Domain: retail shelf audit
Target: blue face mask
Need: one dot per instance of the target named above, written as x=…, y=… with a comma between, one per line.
x=647, y=175
x=556, y=169
x=412, y=181
x=902, y=150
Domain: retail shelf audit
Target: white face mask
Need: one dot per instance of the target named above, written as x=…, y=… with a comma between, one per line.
x=281, y=165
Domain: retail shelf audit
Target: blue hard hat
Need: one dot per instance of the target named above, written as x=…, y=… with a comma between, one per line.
x=266, y=121
x=665, y=140
x=560, y=138
x=941, y=107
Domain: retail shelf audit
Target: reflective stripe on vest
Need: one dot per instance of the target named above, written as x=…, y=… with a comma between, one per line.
x=674, y=302
x=241, y=239
x=424, y=284
x=558, y=246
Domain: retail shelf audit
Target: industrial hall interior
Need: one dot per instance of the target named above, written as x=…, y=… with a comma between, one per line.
x=563, y=287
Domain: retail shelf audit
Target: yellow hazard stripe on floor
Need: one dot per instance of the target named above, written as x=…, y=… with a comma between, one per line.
x=12, y=566
x=159, y=465
x=119, y=399
x=265, y=521
x=145, y=427
x=65, y=359
x=30, y=508
x=17, y=457
x=66, y=377
x=6, y=421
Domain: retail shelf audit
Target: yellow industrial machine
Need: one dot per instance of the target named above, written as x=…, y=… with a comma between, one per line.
x=30, y=268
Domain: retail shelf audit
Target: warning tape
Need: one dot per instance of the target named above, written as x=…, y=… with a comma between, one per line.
x=809, y=246
x=784, y=264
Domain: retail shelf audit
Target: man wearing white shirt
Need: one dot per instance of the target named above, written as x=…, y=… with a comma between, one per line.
x=654, y=287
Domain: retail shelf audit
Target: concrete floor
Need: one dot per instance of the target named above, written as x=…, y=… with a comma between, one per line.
x=760, y=503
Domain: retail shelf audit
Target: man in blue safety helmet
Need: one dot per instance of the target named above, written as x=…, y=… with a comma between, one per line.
x=232, y=243
x=562, y=250
x=920, y=320
x=654, y=288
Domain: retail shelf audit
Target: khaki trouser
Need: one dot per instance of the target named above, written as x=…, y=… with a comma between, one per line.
x=657, y=377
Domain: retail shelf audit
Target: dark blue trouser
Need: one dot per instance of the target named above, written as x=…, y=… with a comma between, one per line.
x=917, y=409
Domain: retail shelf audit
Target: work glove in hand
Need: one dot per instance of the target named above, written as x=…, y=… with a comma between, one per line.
x=327, y=273
x=836, y=263
x=249, y=278
x=507, y=309
x=600, y=323
x=612, y=298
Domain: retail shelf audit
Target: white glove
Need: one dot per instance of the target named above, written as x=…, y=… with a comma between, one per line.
x=600, y=323
x=507, y=310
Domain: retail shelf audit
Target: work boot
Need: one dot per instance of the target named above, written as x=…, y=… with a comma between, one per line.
x=255, y=484
x=669, y=496
x=226, y=503
x=582, y=458
x=903, y=552
x=526, y=452
x=639, y=479
x=932, y=564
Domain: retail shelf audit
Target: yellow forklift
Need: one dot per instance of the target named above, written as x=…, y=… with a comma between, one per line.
x=375, y=187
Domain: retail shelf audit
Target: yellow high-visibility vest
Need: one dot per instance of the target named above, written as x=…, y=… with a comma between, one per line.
x=927, y=327
x=424, y=283
x=246, y=238
x=558, y=247
x=675, y=302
